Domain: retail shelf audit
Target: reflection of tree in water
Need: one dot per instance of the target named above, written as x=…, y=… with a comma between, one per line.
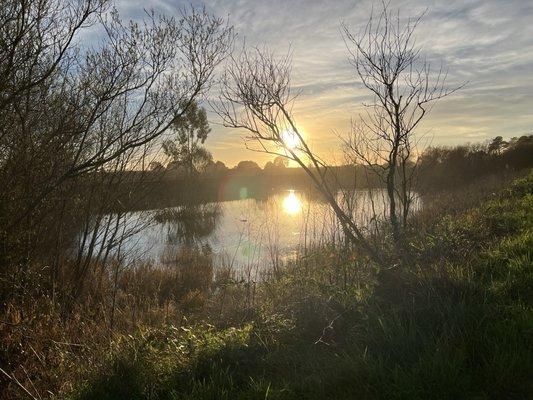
x=189, y=224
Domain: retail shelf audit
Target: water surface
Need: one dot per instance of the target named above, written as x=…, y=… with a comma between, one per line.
x=246, y=233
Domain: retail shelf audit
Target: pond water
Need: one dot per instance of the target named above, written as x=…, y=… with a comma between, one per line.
x=246, y=233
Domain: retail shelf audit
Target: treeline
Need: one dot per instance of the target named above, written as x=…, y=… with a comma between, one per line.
x=170, y=187
x=443, y=168
x=438, y=169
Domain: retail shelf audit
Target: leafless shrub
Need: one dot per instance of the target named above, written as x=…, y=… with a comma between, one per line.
x=404, y=88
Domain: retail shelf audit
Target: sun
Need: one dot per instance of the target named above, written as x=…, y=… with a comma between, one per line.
x=290, y=139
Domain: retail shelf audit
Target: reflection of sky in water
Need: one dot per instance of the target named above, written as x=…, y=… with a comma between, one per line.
x=249, y=232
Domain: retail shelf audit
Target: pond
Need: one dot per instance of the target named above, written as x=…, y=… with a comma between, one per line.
x=245, y=234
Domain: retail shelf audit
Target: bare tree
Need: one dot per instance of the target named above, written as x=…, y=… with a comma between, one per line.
x=404, y=87
x=256, y=96
x=36, y=38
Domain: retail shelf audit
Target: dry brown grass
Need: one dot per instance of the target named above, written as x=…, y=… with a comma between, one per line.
x=46, y=333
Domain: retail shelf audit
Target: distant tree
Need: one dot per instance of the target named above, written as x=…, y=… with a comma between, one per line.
x=248, y=167
x=497, y=145
x=442, y=168
x=519, y=152
x=524, y=141
x=220, y=166
x=216, y=168
x=269, y=166
x=187, y=149
x=281, y=162
x=278, y=164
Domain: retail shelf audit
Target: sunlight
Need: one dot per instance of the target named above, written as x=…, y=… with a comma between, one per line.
x=290, y=139
x=292, y=203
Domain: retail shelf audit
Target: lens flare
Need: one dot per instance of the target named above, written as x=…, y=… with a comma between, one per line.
x=292, y=204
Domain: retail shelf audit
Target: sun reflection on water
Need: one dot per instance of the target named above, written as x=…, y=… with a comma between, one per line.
x=292, y=204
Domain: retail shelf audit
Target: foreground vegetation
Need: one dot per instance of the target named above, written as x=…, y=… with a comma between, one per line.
x=454, y=321
x=426, y=305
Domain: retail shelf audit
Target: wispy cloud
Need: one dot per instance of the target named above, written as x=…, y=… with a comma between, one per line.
x=488, y=43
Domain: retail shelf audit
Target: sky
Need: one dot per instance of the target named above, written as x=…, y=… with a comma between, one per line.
x=486, y=43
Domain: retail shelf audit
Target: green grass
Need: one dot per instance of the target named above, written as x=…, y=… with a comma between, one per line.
x=456, y=323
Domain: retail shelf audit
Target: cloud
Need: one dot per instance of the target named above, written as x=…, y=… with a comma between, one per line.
x=488, y=43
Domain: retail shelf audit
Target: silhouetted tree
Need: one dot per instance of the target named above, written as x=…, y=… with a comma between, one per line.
x=269, y=166
x=247, y=167
x=74, y=118
x=404, y=88
x=497, y=145
x=281, y=162
x=217, y=168
x=257, y=96
x=443, y=168
x=187, y=149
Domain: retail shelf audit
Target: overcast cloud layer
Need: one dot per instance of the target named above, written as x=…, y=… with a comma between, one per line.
x=487, y=43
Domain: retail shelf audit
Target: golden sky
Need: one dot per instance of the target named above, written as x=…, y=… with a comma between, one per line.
x=488, y=43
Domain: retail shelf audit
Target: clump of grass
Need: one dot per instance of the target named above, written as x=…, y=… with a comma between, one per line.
x=160, y=363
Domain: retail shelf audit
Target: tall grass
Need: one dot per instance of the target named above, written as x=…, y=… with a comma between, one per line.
x=455, y=320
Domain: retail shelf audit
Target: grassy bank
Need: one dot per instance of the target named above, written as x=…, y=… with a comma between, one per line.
x=457, y=322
